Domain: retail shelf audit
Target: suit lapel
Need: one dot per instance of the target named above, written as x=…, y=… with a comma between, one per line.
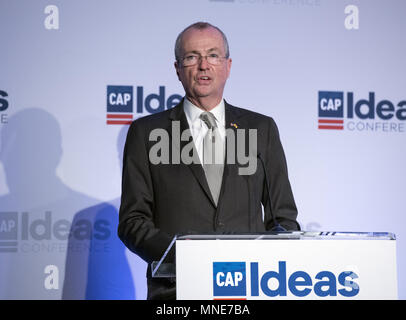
x=231, y=123
x=177, y=114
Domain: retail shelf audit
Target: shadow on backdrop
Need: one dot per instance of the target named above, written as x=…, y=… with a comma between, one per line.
x=96, y=265
x=38, y=200
x=49, y=217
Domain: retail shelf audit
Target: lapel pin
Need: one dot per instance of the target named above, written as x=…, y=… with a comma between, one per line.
x=234, y=125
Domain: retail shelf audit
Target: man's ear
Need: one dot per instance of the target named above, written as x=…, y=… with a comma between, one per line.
x=177, y=69
x=229, y=63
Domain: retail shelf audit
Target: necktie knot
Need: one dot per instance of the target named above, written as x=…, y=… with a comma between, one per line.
x=209, y=119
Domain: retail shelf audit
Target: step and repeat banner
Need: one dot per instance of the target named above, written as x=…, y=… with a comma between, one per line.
x=330, y=72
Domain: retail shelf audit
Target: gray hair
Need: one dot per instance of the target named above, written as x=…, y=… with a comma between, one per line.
x=199, y=26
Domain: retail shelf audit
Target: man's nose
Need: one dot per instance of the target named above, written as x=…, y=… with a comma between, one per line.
x=203, y=64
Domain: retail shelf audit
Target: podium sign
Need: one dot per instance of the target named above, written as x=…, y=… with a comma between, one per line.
x=300, y=266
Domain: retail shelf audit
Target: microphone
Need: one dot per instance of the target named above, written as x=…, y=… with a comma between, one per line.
x=277, y=227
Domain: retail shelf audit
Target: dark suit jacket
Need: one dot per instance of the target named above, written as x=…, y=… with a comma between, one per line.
x=159, y=201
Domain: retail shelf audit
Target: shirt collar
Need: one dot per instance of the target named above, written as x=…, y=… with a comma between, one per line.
x=193, y=113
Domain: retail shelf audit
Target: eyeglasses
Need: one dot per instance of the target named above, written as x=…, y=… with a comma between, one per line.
x=192, y=59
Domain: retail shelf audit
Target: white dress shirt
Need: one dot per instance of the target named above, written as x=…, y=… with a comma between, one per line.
x=197, y=126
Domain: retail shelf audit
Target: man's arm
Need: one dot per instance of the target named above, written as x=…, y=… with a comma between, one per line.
x=136, y=219
x=283, y=203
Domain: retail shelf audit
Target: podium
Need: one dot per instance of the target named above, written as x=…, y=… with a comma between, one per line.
x=287, y=265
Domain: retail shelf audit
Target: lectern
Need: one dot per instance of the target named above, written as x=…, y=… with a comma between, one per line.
x=286, y=265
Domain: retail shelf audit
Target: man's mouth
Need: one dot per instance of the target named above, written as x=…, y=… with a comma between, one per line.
x=203, y=79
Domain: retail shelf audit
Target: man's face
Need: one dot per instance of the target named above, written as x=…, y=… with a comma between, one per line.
x=203, y=82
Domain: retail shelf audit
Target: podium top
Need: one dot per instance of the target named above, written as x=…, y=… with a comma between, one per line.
x=168, y=269
x=298, y=235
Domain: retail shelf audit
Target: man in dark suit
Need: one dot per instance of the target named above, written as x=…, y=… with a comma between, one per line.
x=160, y=200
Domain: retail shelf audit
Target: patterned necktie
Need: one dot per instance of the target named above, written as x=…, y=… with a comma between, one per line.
x=213, y=155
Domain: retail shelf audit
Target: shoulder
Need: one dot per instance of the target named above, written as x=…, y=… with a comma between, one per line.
x=251, y=118
x=153, y=119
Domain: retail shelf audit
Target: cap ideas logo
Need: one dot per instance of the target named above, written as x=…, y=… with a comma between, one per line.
x=229, y=279
x=119, y=104
x=360, y=114
x=4, y=104
x=123, y=102
x=252, y=280
x=8, y=231
x=331, y=110
x=21, y=232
